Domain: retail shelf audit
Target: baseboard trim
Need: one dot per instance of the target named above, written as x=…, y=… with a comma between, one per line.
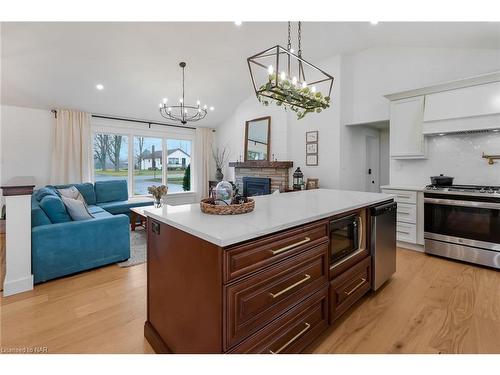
x=155, y=339
x=11, y=287
x=410, y=246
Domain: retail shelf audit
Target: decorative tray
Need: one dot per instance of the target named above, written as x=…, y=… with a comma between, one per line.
x=208, y=206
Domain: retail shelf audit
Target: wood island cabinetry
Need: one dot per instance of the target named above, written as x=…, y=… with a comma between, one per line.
x=273, y=294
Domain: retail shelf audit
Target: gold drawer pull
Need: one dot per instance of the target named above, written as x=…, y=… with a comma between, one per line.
x=279, y=251
x=356, y=287
x=293, y=339
x=307, y=277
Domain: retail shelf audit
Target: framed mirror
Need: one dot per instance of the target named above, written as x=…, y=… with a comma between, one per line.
x=257, y=139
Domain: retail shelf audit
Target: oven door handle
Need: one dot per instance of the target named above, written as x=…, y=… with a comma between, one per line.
x=453, y=202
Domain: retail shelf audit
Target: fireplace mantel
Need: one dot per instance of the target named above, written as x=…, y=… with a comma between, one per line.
x=261, y=164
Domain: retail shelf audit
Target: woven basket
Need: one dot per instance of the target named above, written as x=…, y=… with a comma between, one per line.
x=208, y=206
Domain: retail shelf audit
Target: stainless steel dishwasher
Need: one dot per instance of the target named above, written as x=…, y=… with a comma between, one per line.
x=383, y=243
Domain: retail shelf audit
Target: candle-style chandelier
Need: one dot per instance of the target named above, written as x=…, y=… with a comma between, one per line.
x=284, y=78
x=183, y=112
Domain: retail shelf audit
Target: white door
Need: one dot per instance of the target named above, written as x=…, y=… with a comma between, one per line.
x=372, y=164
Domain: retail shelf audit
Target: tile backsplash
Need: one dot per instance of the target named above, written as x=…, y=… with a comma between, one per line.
x=457, y=155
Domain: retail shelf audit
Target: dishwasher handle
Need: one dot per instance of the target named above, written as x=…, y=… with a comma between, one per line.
x=383, y=208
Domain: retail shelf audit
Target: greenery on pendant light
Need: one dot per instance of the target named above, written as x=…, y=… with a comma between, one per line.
x=286, y=93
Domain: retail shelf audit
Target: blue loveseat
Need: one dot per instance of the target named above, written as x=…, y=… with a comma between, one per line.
x=60, y=246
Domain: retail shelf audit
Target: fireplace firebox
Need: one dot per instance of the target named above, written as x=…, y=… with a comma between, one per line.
x=253, y=186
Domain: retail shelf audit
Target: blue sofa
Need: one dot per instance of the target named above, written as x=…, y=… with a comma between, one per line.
x=60, y=246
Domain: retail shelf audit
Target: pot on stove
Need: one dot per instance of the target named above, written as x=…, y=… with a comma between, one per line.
x=441, y=180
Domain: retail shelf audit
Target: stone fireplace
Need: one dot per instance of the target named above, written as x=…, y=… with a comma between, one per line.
x=277, y=171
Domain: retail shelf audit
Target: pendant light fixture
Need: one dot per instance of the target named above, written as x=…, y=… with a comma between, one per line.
x=183, y=112
x=286, y=79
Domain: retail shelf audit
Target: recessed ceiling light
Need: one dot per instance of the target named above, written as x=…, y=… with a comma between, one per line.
x=99, y=86
x=212, y=108
x=441, y=134
x=374, y=22
x=238, y=23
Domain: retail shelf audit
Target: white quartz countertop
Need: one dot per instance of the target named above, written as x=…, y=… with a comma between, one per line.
x=272, y=213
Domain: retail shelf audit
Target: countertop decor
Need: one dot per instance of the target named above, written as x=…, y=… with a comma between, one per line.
x=210, y=206
x=158, y=192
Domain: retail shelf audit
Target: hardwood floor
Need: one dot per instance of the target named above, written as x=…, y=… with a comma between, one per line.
x=431, y=305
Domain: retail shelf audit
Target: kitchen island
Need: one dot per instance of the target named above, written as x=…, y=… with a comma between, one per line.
x=261, y=282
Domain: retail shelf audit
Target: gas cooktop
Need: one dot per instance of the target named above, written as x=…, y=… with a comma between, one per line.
x=464, y=189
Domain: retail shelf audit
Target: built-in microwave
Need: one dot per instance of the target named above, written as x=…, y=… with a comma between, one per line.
x=345, y=237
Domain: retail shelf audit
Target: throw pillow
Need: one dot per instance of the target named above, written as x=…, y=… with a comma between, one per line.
x=43, y=192
x=55, y=209
x=77, y=209
x=72, y=193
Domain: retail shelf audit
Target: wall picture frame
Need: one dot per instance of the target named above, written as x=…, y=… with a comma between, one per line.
x=312, y=160
x=312, y=136
x=311, y=148
x=312, y=183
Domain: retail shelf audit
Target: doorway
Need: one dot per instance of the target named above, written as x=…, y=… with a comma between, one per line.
x=372, y=163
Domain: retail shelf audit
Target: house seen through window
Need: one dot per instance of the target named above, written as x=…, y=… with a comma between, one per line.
x=112, y=160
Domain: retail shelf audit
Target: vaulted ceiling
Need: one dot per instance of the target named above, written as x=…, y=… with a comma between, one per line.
x=50, y=65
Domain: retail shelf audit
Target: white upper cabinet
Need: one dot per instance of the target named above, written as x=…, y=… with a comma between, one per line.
x=479, y=100
x=406, y=137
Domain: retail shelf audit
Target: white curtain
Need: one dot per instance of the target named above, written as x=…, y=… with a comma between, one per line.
x=71, y=153
x=203, y=141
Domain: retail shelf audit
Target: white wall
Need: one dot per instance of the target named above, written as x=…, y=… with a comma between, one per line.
x=383, y=70
x=328, y=125
x=361, y=81
x=26, y=143
x=231, y=133
x=372, y=73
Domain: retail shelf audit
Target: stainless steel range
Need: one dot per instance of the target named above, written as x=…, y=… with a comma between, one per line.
x=463, y=222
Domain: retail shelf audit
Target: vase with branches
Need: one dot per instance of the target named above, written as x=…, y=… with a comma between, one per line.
x=158, y=192
x=221, y=156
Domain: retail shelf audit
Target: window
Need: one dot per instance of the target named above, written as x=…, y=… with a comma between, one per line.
x=142, y=157
x=148, y=170
x=179, y=165
x=110, y=157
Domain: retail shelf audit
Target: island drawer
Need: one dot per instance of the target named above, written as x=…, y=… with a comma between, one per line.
x=349, y=287
x=257, y=300
x=291, y=332
x=245, y=259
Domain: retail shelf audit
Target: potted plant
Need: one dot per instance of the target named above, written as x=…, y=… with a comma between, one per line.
x=221, y=157
x=158, y=192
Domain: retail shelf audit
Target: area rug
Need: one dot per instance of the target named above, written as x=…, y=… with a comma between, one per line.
x=138, y=240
